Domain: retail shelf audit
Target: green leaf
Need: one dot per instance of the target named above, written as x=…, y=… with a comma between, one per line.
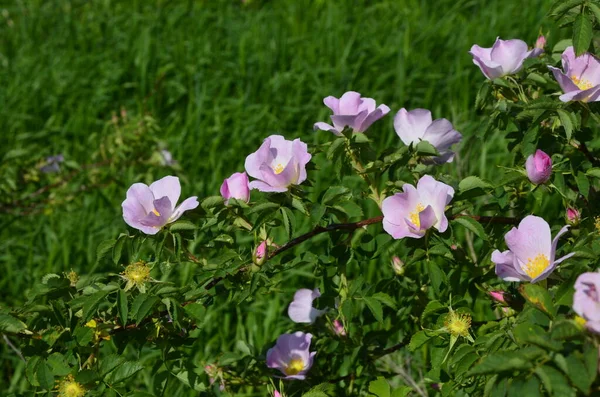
x=539, y=297
x=562, y=6
x=425, y=148
x=432, y=307
x=44, y=376
x=142, y=305
x=385, y=299
x=593, y=172
x=578, y=373
x=418, y=340
x=472, y=225
x=297, y=204
x=483, y=95
x=58, y=364
x=528, y=333
x=582, y=34
x=192, y=380
x=595, y=10
x=124, y=372
x=375, y=308
x=263, y=207
x=91, y=303
x=379, y=387
x=118, y=248
x=104, y=248
x=336, y=193
x=583, y=184
x=11, y=325
x=336, y=146
x=524, y=387
x=472, y=182
x=122, y=306
x=566, y=121
x=500, y=362
x=182, y=225
x=289, y=221
x=436, y=275
x=109, y=363
x=211, y=202
x=196, y=311
x=559, y=384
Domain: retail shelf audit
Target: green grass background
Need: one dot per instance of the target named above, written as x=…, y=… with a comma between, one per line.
x=219, y=76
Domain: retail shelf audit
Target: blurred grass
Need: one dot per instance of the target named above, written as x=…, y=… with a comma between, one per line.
x=219, y=76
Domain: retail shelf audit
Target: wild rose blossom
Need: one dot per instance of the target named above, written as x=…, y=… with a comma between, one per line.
x=586, y=300
x=291, y=355
x=580, y=77
x=149, y=208
x=301, y=310
x=418, y=125
x=278, y=164
x=539, y=167
x=353, y=111
x=52, y=164
x=411, y=213
x=531, y=251
x=236, y=186
x=505, y=57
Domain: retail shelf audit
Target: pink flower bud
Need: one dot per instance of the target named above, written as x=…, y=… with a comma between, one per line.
x=573, y=216
x=539, y=167
x=540, y=42
x=260, y=253
x=398, y=266
x=338, y=328
x=276, y=394
x=498, y=296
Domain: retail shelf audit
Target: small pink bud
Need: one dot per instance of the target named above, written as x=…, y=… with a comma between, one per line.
x=573, y=216
x=539, y=167
x=498, y=296
x=338, y=327
x=260, y=253
x=540, y=42
x=276, y=394
x=398, y=266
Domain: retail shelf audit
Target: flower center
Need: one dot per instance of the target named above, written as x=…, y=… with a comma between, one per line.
x=278, y=169
x=581, y=83
x=155, y=212
x=414, y=216
x=534, y=267
x=458, y=324
x=294, y=366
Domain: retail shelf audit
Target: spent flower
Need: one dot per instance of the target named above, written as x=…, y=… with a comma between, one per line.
x=531, y=251
x=68, y=387
x=458, y=324
x=149, y=208
x=411, y=213
x=137, y=275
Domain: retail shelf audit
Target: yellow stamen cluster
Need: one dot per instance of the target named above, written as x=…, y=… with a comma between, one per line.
x=580, y=321
x=294, y=366
x=73, y=278
x=534, y=267
x=581, y=83
x=69, y=388
x=414, y=216
x=597, y=223
x=458, y=324
x=155, y=212
x=278, y=169
x=136, y=275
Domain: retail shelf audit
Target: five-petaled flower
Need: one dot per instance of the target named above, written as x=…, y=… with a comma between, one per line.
x=149, y=208
x=301, y=310
x=418, y=125
x=505, y=57
x=278, y=164
x=353, y=111
x=236, y=186
x=291, y=355
x=580, y=77
x=586, y=300
x=531, y=251
x=411, y=213
x=538, y=167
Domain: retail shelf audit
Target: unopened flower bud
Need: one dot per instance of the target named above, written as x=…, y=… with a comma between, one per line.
x=260, y=253
x=540, y=42
x=539, y=167
x=338, y=328
x=398, y=266
x=573, y=216
x=498, y=296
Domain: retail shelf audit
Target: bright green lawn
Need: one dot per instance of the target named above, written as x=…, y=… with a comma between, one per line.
x=219, y=77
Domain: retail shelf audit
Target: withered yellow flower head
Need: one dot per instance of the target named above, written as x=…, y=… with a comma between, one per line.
x=458, y=324
x=137, y=275
x=68, y=387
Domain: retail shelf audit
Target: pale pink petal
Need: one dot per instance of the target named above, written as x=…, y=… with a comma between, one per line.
x=168, y=186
